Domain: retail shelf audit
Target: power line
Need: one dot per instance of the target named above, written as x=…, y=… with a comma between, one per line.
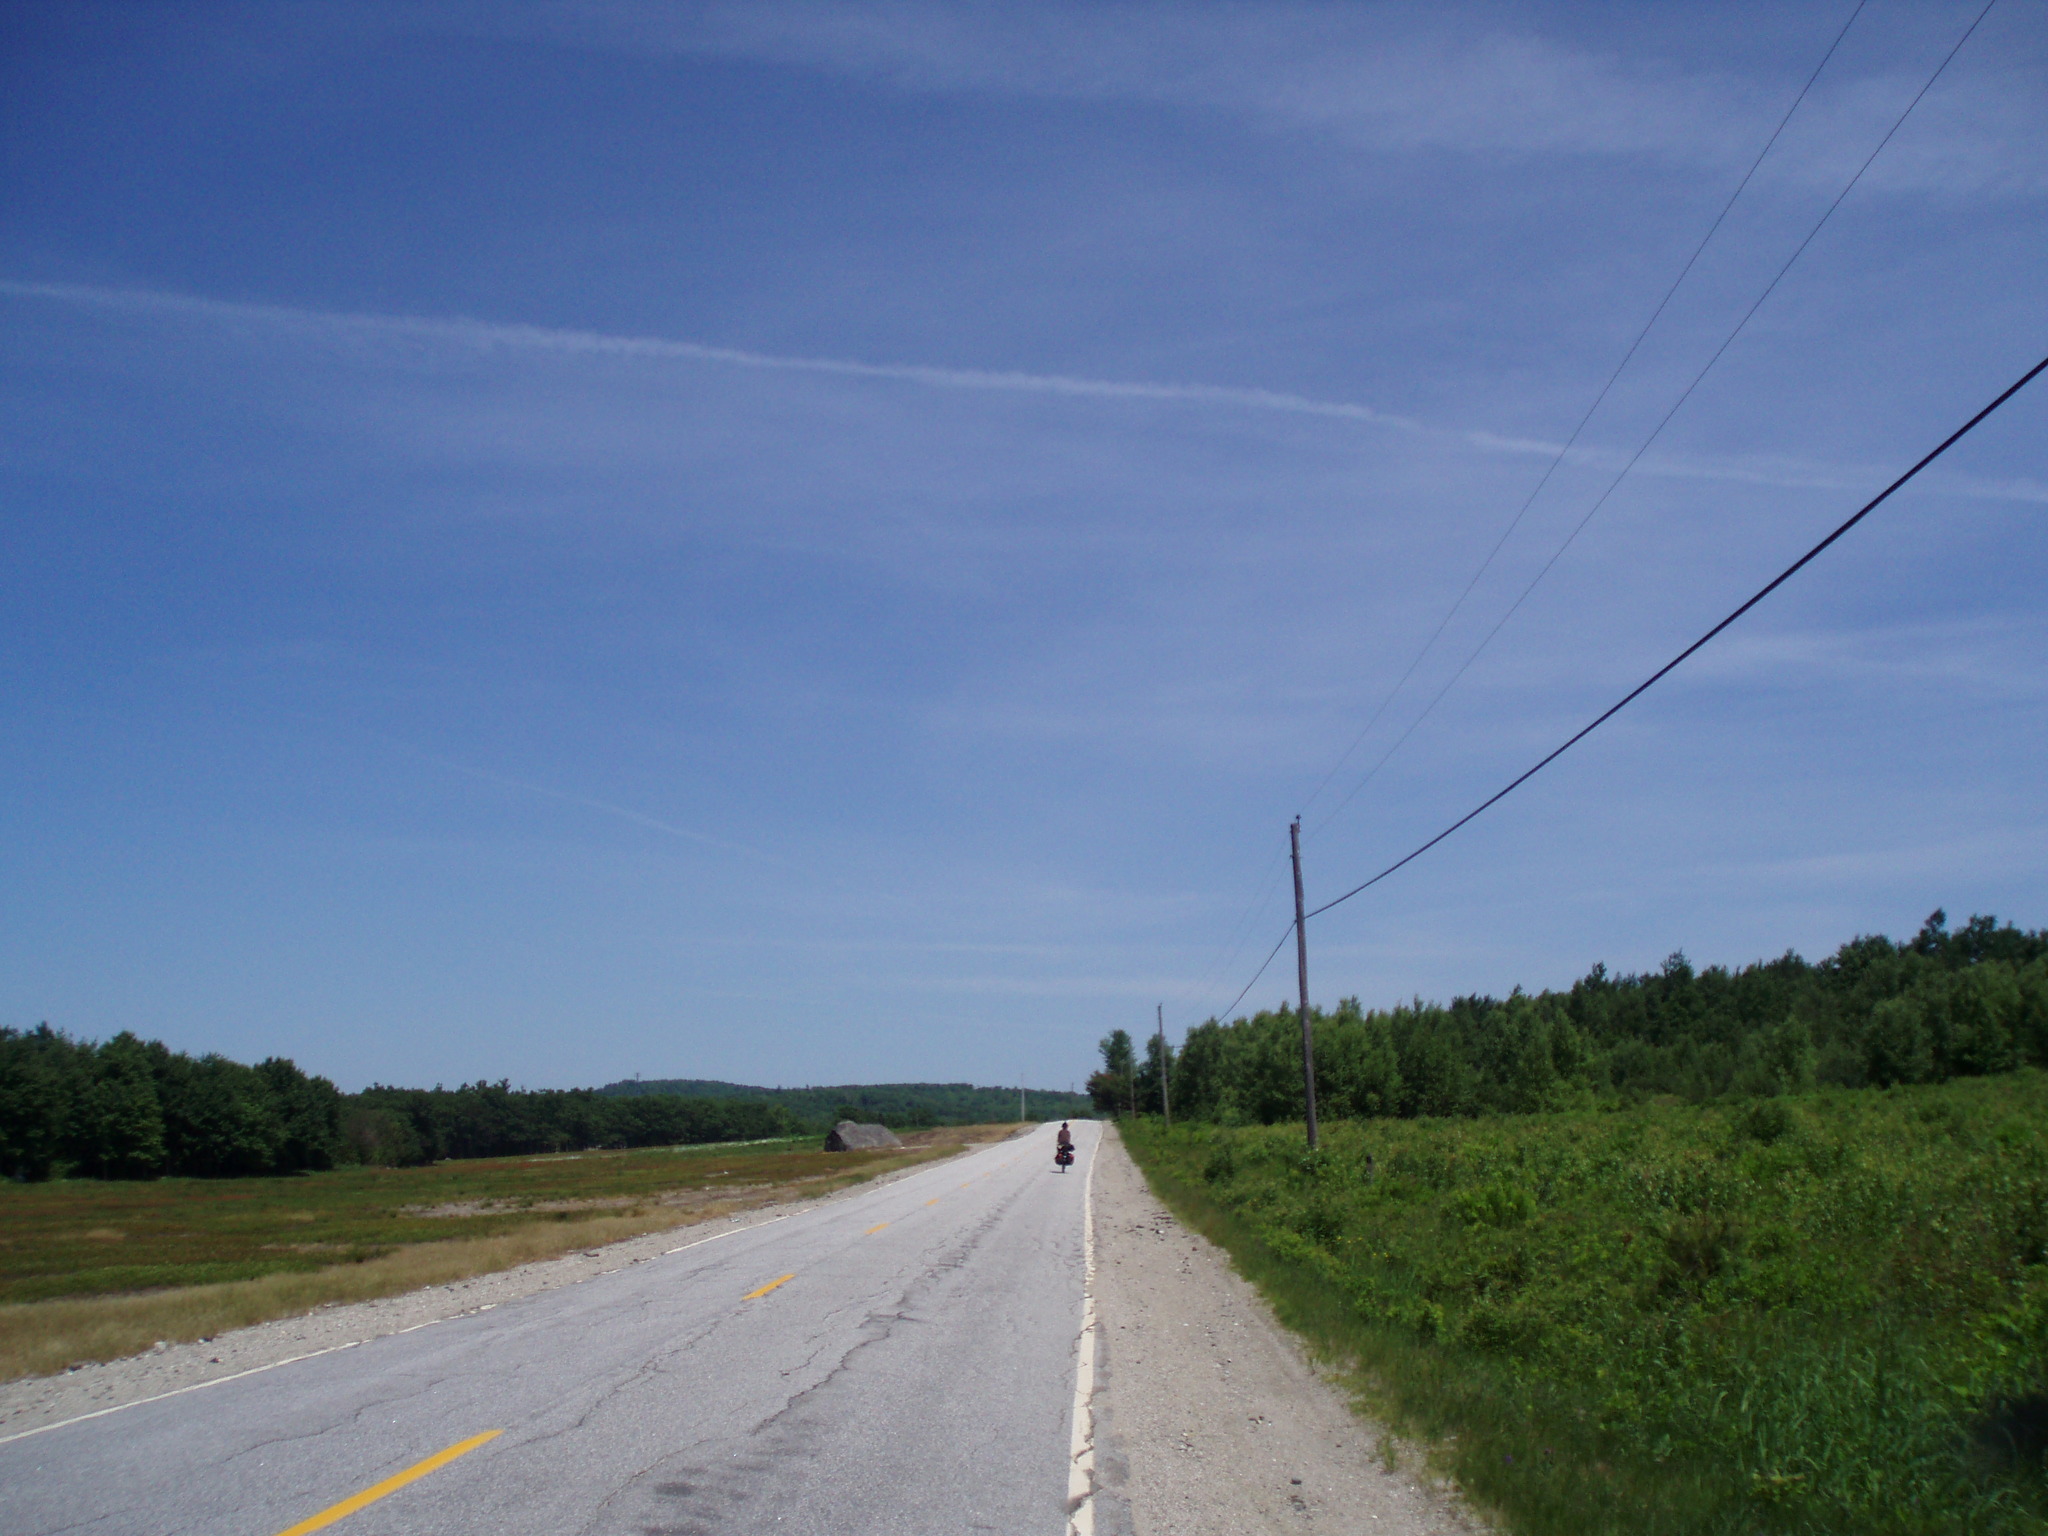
x=1572, y=441
x=1644, y=686
x=1284, y=932
x=1634, y=693
x=1656, y=432
x=1241, y=931
x=1241, y=928
x=1741, y=325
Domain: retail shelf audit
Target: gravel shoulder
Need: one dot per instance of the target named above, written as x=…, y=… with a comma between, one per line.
x=41, y=1401
x=1212, y=1421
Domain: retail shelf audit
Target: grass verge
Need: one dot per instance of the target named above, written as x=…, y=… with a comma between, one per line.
x=1817, y=1316
x=516, y=1210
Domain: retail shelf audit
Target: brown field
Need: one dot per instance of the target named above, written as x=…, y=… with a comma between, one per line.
x=93, y=1270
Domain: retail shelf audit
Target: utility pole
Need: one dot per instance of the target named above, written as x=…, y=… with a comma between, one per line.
x=1165, y=1105
x=1308, y=1039
x=1020, y=1100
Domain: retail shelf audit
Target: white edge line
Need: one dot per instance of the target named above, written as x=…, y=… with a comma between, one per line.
x=1081, y=1450
x=730, y=1232
x=254, y=1370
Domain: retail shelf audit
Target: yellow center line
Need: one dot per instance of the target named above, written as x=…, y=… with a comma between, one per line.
x=764, y=1290
x=871, y=1231
x=371, y=1495
x=933, y=1201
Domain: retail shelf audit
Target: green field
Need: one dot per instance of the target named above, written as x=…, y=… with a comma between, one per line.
x=1826, y=1313
x=87, y=1237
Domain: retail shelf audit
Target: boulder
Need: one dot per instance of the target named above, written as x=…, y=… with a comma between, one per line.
x=848, y=1137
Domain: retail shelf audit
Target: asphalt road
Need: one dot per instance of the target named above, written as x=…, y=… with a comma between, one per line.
x=900, y=1360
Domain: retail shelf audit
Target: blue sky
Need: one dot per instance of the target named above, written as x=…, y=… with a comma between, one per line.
x=805, y=544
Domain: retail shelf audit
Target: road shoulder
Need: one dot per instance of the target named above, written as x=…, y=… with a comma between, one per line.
x=1211, y=1419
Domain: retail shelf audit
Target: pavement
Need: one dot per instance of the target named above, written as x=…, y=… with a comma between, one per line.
x=903, y=1359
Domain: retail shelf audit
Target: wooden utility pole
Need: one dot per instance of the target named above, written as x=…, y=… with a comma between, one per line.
x=1165, y=1105
x=1308, y=1039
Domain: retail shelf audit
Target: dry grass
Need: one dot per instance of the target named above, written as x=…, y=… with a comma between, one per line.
x=40, y=1338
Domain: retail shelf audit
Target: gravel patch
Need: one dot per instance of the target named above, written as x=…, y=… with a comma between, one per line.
x=38, y=1402
x=1212, y=1421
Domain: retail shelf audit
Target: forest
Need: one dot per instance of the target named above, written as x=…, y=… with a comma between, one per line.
x=1963, y=1002
x=127, y=1108
x=901, y=1106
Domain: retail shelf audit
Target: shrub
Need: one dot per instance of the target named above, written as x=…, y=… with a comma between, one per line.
x=1493, y=1204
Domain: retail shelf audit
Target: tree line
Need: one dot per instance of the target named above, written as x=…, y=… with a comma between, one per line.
x=399, y=1126
x=901, y=1106
x=128, y=1108
x=1947, y=1003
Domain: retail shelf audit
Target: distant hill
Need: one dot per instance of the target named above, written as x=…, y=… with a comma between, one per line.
x=903, y=1105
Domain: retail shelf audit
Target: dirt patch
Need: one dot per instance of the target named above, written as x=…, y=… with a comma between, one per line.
x=1214, y=1422
x=671, y=1200
x=458, y=1208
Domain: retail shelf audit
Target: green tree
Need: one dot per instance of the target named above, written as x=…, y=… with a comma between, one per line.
x=1158, y=1060
x=1114, y=1088
x=308, y=1110
x=1358, y=1074
x=119, y=1128
x=45, y=1078
x=380, y=1137
x=218, y=1118
x=1981, y=1010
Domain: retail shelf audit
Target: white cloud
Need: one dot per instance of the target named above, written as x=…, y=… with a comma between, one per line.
x=1973, y=662
x=2003, y=853
x=1379, y=79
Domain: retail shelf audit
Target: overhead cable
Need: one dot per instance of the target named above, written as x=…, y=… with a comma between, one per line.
x=1572, y=441
x=1645, y=685
x=1556, y=554
x=1656, y=432
x=1238, y=933
x=1284, y=932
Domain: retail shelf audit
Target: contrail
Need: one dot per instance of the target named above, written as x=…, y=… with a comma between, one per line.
x=636, y=817
x=487, y=336
x=484, y=336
